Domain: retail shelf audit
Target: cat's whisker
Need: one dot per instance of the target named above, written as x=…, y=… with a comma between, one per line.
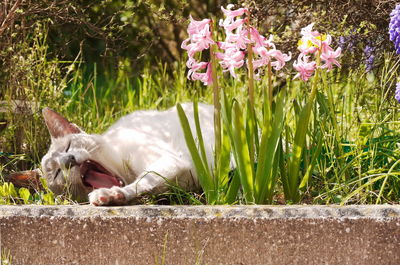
x=93, y=149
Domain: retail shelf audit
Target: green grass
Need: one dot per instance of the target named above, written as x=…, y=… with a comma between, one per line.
x=6, y=258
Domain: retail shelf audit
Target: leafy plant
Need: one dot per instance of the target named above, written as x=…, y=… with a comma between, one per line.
x=258, y=184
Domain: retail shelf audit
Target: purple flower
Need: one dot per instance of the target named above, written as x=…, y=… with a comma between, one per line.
x=397, y=93
x=343, y=42
x=347, y=43
x=394, y=28
x=369, y=57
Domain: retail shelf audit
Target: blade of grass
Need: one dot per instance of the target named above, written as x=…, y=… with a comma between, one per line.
x=312, y=164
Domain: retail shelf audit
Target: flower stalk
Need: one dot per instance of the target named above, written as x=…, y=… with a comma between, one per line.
x=250, y=62
x=250, y=72
x=270, y=88
x=300, y=138
x=217, y=103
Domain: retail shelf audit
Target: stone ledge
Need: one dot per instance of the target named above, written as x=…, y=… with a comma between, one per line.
x=201, y=234
x=378, y=212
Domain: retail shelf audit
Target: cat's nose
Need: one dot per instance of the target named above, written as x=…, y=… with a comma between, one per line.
x=68, y=161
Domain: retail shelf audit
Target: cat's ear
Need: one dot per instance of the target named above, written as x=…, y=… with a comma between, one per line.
x=58, y=125
x=29, y=179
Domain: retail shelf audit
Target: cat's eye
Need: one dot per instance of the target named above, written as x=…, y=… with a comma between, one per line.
x=58, y=172
x=69, y=145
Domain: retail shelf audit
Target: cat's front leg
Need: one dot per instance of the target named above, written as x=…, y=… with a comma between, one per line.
x=104, y=196
x=154, y=179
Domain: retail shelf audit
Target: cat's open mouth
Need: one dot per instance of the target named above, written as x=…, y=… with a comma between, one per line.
x=96, y=176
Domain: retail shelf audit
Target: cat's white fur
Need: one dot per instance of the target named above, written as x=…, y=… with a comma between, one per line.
x=145, y=149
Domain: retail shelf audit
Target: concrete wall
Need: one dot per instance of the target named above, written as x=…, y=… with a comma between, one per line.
x=201, y=235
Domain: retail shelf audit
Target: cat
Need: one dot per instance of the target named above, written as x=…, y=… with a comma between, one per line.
x=139, y=154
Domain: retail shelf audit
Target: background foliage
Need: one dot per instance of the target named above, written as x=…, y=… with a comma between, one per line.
x=95, y=61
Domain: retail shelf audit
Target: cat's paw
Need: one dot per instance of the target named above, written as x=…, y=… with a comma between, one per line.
x=104, y=196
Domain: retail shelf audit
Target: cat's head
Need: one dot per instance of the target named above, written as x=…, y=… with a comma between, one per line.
x=73, y=165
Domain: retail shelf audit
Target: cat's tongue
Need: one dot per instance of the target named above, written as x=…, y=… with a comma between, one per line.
x=100, y=180
x=96, y=176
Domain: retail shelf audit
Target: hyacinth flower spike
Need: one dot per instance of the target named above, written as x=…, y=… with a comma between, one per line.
x=314, y=43
x=311, y=44
x=394, y=28
x=397, y=93
x=235, y=42
x=329, y=59
x=304, y=67
x=394, y=34
x=266, y=53
x=200, y=39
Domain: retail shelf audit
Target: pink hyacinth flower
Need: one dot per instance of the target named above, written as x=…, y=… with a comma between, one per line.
x=310, y=43
x=304, y=67
x=280, y=58
x=260, y=41
x=265, y=51
x=236, y=40
x=234, y=25
x=325, y=48
x=329, y=59
x=307, y=31
x=229, y=23
x=197, y=26
x=239, y=38
x=231, y=59
x=233, y=13
x=200, y=39
x=196, y=66
x=206, y=77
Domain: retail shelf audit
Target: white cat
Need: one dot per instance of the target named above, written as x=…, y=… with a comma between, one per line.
x=136, y=155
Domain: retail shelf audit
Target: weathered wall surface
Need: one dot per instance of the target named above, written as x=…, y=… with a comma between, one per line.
x=201, y=235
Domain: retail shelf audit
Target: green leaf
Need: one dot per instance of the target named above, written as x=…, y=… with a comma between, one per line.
x=11, y=190
x=282, y=169
x=44, y=183
x=242, y=153
x=198, y=132
x=48, y=198
x=234, y=185
x=311, y=166
x=298, y=145
x=205, y=178
x=265, y=177
x=251, y=129
x=24, y=194
x=222, y=178
x=233, y=188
